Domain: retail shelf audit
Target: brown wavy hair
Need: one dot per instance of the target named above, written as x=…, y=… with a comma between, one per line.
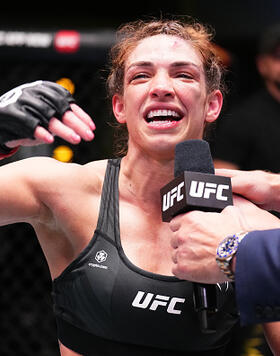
x=128, y=37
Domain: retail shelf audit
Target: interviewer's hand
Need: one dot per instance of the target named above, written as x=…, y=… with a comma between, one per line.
x=262, y=188
x=196, y=235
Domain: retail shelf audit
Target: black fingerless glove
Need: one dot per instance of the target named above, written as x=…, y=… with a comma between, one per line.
x=24, y=108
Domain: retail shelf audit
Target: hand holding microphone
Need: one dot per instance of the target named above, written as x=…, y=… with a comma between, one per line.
x=197, y=234
x=195, y=187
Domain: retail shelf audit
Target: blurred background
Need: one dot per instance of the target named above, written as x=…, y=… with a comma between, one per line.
x=68, y=43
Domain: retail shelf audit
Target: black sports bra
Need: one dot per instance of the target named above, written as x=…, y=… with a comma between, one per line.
x=105, y=305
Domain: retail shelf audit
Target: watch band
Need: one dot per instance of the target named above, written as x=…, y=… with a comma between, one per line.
x=225, y=268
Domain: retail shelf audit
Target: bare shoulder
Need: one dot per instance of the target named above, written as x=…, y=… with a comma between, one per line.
x=46, y=172
x=96, y=168
x=89, y=176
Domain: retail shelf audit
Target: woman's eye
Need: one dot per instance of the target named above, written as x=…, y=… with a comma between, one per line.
x=185, y=75
x=139, y=76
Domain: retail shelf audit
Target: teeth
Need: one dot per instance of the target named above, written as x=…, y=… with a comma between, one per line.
x=155, y=113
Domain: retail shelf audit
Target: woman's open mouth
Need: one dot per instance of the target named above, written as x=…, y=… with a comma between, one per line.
x=162, y=118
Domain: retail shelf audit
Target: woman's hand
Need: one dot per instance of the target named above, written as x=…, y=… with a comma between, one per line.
x=75, y=125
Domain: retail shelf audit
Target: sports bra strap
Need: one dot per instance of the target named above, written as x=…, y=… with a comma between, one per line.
x=108, y=220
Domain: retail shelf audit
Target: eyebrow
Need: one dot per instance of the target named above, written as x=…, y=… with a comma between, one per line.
x=140, y=64
x=185, y=64
x=174, y=64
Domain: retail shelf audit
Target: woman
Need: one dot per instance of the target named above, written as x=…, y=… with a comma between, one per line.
x=100, y=224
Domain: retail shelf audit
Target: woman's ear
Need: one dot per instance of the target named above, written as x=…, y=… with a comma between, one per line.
x=214, y=105
x=118, y=108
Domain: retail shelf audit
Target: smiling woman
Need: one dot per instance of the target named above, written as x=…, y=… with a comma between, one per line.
x=129, y=37
x=165, y=74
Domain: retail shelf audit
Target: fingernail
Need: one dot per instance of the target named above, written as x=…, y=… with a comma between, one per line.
x=92, y=126
x=49, y=138
x=76, y=137
x=89, y=134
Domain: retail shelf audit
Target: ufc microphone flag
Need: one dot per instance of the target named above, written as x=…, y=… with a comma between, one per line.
x=195, y=186
x=194, y=190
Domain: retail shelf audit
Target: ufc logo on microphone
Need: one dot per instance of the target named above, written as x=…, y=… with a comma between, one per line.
x=150, y=301
x=195, y=191
x=175, y=194
x=204, y=190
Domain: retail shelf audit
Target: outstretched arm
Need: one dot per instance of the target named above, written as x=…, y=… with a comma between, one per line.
x=32, y=114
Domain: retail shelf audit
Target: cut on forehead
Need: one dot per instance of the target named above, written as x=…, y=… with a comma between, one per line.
x=176, y=50
x=154, y=43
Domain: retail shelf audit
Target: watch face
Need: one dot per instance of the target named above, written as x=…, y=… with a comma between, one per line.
x=227, y=247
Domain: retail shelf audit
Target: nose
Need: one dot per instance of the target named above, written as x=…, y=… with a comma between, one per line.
x=161, y=86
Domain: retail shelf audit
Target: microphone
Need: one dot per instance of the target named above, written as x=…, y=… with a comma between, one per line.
x=196, y=187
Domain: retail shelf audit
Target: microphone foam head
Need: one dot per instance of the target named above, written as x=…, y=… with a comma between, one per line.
x=193, y=156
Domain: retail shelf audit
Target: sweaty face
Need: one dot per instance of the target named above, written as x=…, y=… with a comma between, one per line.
x=164, y=99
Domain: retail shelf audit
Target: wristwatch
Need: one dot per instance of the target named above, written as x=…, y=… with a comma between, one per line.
x=226, y=251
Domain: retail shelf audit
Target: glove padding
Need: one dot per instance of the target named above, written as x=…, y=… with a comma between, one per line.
x=24, y=108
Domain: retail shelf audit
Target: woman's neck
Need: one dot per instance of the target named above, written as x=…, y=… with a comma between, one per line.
x=142, y=177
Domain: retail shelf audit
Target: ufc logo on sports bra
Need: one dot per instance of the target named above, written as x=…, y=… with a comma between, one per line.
x=152, y=302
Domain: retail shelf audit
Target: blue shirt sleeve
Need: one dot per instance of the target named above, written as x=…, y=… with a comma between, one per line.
x=257, y=277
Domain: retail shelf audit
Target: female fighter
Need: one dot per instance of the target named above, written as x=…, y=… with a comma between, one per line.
x=99, y=224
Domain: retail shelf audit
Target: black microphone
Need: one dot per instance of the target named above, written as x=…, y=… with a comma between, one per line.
x=196, y=187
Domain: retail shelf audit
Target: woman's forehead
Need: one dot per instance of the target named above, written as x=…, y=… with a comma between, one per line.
x=164, y=47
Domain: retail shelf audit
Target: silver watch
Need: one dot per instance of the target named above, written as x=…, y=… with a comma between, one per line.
x=226, y=251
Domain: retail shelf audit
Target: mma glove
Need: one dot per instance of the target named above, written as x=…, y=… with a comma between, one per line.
x=27, y=106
